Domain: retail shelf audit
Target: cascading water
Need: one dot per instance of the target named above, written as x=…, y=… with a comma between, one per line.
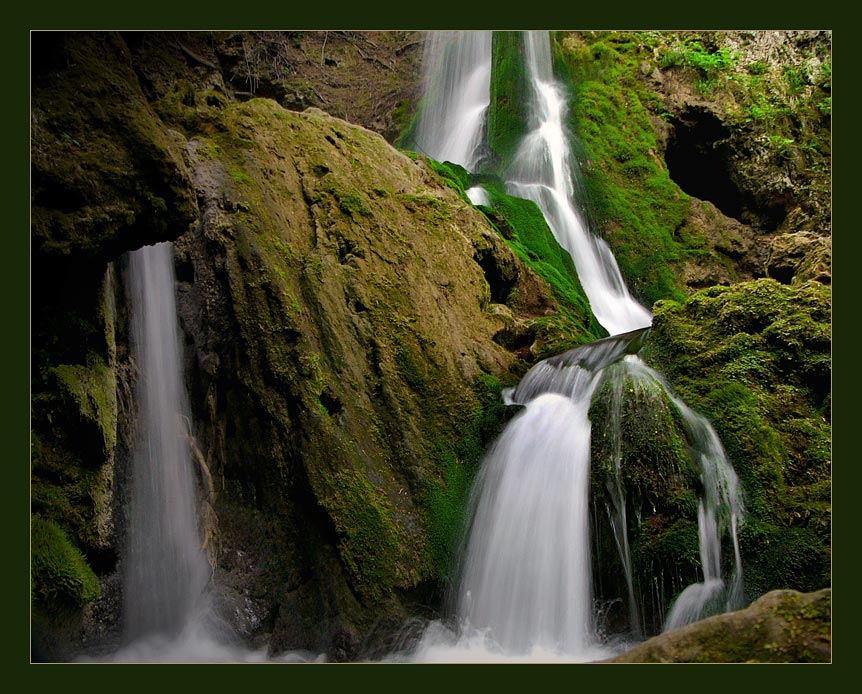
x=542, y=172
x=525, y=590
x=167, y=612
x=719, y=514
x=457, y=88
x=166, y=570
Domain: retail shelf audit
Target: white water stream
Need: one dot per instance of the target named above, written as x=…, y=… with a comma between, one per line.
x=166, y=569
x=167, y=612
x=457, y=91
x=543, y=172
x=525, y=589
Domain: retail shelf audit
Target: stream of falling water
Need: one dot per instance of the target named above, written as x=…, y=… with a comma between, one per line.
x=525, y=588
x=167, y=612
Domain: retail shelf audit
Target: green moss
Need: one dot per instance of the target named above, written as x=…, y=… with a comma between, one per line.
x=669, y=547
x=637, y=413
x=59, y=573
x=457, y=455
x=629, y=195
x=782, y=556
x=507, y=115
x=454, y=175
x=755, y=359
x=93, y=389
x=523, y=227
x=369, y=541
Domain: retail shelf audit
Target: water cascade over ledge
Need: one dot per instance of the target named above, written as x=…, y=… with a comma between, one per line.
x=166, y=570
x=525, y=589
x=457, y=88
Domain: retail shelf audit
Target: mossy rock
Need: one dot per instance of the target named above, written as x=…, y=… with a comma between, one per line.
x=510, y=96
x=641, y=466
x=108, y=176
x=755, y=359
x=357, y=354
x=783, y=626
x=60, y=575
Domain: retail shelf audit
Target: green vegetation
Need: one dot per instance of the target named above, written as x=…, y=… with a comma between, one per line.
x=368, y=541
x=521, y=224
x=640, y=456
x=60, y=576
x=507, y=116
x=629, y=195
x=457, y=456
x=755, y=358
x=92, y=390
x=689, y=51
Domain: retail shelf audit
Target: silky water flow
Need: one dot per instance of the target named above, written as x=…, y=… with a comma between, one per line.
x=525, y=586
x=167, y=612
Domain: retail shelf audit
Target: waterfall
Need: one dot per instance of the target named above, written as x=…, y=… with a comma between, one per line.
x=532, y=500
x=167, y=611
x=457, y=91
x=542, y=172
x=525, y=587
x=166, y=570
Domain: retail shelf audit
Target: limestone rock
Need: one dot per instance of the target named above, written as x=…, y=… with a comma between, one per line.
x=795, y=258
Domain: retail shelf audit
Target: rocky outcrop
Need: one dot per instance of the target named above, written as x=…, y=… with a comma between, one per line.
x=738, y=121
x=783, y=626
x=341, y=335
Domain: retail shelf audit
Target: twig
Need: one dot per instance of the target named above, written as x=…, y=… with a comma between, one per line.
x=323, y=47
x=196, y=57
x=401, y=49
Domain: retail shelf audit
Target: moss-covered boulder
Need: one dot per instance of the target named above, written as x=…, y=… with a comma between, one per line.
x=755, y=359
x=783, y=626
x=646, y=488
x=343, y=304
x=107, y=175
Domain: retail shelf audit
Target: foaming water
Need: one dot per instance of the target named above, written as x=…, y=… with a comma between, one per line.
x=441, y=644
x=532, y=497
x=199, y=641
x=457, y=91
x=478, y=196
x=525, y=592
x=720, y=514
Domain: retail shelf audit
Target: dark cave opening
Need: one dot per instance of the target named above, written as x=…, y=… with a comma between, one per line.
x=697, y=160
